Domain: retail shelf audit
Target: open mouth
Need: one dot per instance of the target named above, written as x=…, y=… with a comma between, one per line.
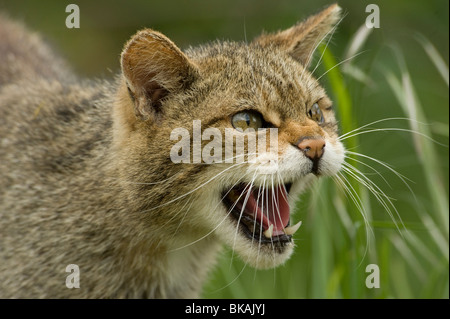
x=262, y=213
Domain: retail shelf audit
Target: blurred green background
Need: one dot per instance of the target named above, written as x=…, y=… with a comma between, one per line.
x=402, y=72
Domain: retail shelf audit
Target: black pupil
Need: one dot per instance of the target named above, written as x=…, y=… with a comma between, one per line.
x=247, y=118
x=315, y=113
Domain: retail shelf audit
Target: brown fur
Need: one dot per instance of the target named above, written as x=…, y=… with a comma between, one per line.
x=85, y=173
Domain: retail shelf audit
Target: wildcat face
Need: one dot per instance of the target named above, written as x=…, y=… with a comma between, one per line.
x=227, y=85
x=253, y=196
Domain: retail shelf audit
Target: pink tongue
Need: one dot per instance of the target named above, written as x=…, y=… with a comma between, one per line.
x=270, y=207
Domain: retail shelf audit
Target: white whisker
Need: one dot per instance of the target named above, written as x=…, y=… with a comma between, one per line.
x=376, y=122
x=391, y=129
x=337, y=64
x=348, y=189
x=248, y=189
x=218, y=225
x=332, y=30
x=193, y=190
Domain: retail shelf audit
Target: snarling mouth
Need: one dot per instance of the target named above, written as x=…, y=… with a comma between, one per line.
x=262, y=213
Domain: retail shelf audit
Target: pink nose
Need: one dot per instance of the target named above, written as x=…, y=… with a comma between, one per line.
x=313, y=148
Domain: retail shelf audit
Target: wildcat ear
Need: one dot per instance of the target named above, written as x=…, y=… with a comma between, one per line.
x=301, y=40
x=154, y=67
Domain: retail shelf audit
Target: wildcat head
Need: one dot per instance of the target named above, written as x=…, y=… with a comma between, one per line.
x=262, y=85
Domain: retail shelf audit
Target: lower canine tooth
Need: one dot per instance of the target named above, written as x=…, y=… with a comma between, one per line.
x=269, y=231
x=292, y=229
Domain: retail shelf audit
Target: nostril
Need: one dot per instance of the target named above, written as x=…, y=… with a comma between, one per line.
x=313, y=148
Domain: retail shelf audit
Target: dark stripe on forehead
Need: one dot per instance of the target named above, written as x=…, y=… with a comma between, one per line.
x=277, y=84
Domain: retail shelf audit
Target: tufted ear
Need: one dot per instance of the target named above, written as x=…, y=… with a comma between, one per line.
x=302, y=39
x=154, y=67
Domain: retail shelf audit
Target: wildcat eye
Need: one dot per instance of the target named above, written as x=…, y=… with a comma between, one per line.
x=315, y=113
x=247, y=119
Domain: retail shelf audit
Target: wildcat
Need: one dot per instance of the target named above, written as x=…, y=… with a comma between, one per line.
x=86, y=174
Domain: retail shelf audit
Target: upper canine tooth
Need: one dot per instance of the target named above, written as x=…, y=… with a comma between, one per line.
x=292, y=229
x=269, y=231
